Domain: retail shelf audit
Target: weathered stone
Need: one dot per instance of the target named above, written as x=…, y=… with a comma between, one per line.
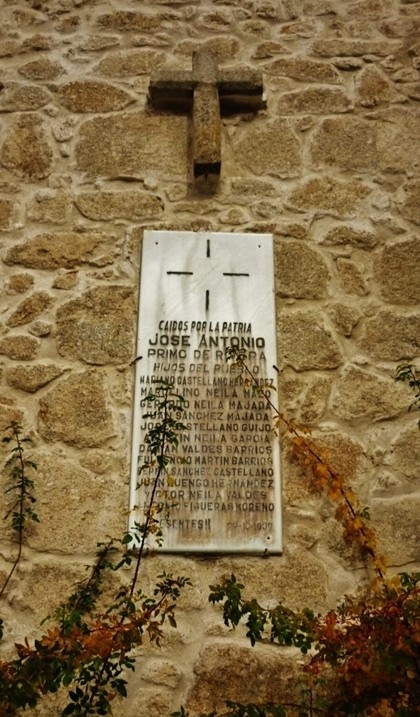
x=30, y=308
x=31, y=378
x=94, y=43
x=40, y=328
x=305, y=343
x=19, y=348
x=162, y=672
x=129, y=21
x=25, y=150
x=344, y=318
x=57, y=580
x=347, y=143
x=50, y=206
x=42, y=69
x=389, y=336
x=66, y=281
x=271, y=148
x=405, y=454
x=93, y=96
x=328, y=195
x=51, y=251
x=8, y=414
x=250, y=188
x=352, y=47
x=133, y=205
x=302, y=272
x=396, y=522
x=6, y=213
x=320, y=100
x=98, y=327
x=225, y=48
x=315, y=402
x=398, y=272
x=241, y=674
x=268, y=48
x=374, y=88
x=410, y=206
x=115, y=146
x=76, y=509
x=129, y=63
x=15, y=97
x=19, y=283
x=352, y=235
x=300, y=68
x=75, y=411
x=364, y=396
x=397, y=139
x=351, y=278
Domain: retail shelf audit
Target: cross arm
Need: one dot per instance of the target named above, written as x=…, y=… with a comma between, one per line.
x=171, y=89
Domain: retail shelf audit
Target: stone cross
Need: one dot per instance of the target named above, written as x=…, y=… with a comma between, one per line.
x=209, y=91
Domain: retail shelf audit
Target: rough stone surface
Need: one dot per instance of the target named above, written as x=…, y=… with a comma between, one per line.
x=397, y=143
x=98, y=327
x=114, y=146
x=364, y=396
x=347, y=143
x=42, y=69
x=374, y=88
x=281, y=154
x=132, y=205
x=322, y=100
x=6, y=212
x=76, y=412
x=25, y=150
x=90, y=96
x=300, y=68
x=410, y=206
x=31, y=378
x=397, y=529
x=328, y=195
x=50, y=206
x=354, y=236
x=19, y=283
x=302, y=271
x=344, y=318
x=405, y=456
x=51, y=251
x=305, y=343
x=351, y=277
x=390, y=336
x=30, y=308
x=240, y=674
x=398, y=272
x=15, y=97
x=19, y=348
x=75, y=527
x=129, y=62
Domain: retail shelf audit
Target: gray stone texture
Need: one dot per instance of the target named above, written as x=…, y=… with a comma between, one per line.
x=398, y=272
x=76, y=411
x=98, y=327
x=26, y=150
x=115, y=146
x=305, y=342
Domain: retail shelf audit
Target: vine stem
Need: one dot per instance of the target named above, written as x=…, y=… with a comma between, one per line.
x=20, y=501
x=291, y=428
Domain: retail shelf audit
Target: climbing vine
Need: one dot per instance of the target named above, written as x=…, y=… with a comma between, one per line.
x=85, y=650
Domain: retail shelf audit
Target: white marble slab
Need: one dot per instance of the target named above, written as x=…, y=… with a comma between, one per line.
x=201, y=293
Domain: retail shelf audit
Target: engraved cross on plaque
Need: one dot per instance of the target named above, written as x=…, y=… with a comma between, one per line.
x=209, y=91
x=204, y=266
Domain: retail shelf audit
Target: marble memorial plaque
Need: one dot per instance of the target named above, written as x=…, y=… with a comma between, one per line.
x=200, y=294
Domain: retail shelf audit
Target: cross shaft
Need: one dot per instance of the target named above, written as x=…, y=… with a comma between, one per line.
x=209, y=91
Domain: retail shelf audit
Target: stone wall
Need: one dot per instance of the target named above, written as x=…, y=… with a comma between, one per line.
x=331, y=168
